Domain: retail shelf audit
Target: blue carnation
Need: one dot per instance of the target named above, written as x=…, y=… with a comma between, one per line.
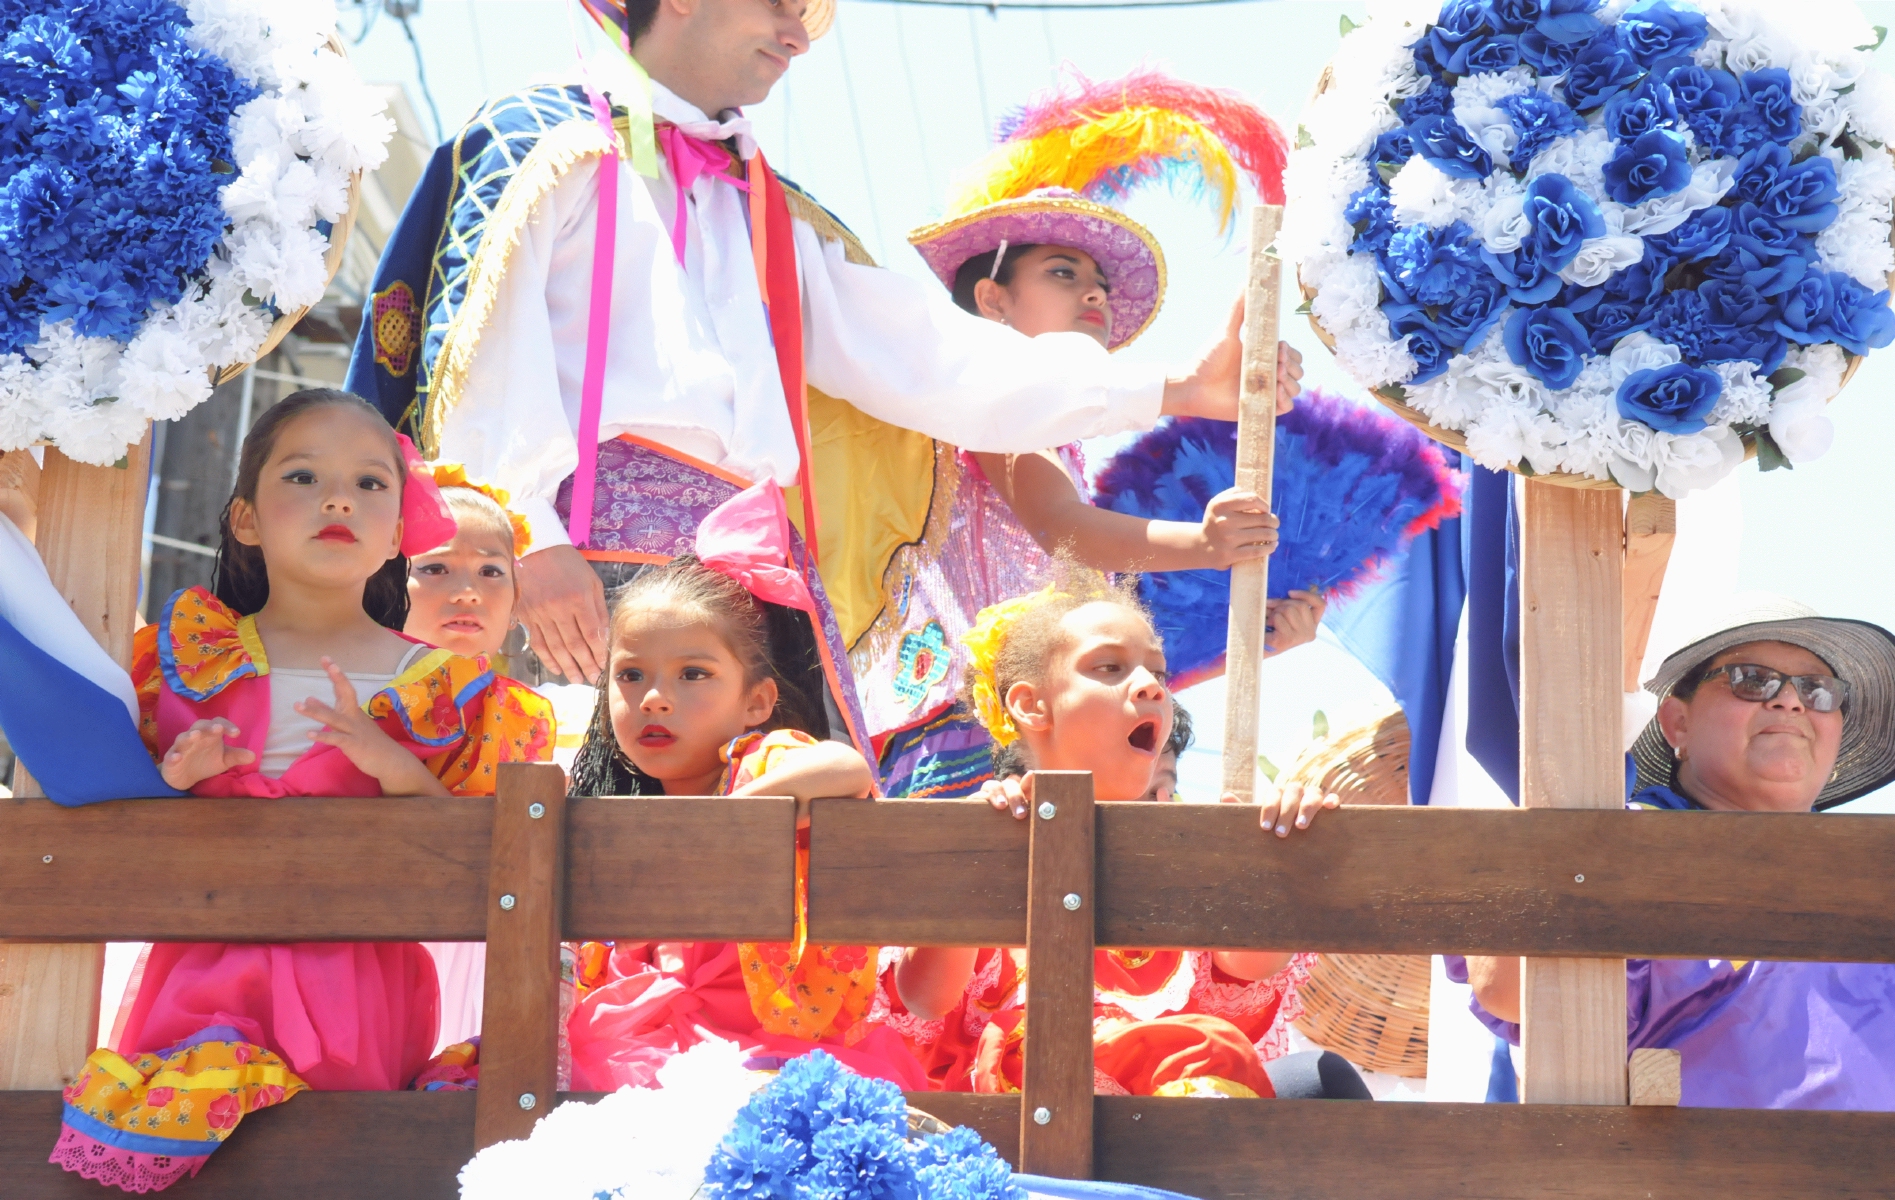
x=1704, y=234
x=1807, y=308
x=1599, y=72
x=1541, y=120
x=958, y=1165
x=1644, y=108
x=1767, y=93
x=1445, y=142
x=1859, y=319
x=1550, y=343
x=1429, y=266
x=1655, y=29
x=862, y=1162
x=753, y=1163
x=1437, y=101
x=1654, y=164
x=1673, y=399
x=96, y=300
x=1561, y=217
x=1373, y=218
x=1395, y=146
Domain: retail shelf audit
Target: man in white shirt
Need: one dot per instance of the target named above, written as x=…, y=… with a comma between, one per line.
x=690, y=366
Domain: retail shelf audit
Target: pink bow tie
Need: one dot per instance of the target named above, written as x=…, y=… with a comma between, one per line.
x=689, y=159
x=747, y=538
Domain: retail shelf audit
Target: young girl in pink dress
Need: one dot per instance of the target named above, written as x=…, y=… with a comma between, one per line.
x=698, y=702
x=293, y=680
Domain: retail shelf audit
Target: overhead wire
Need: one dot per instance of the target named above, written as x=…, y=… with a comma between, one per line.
x=914, y=103
x=421, y=73
x=980, y=78
x=861, y=141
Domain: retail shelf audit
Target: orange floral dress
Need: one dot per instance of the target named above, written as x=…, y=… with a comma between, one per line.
x=642, y=1002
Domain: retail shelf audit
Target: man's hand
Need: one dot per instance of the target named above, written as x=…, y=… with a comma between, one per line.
x=562, y=603
x=1210, y=389
x=201, y=752
x=355, y=733
x=1238, y=526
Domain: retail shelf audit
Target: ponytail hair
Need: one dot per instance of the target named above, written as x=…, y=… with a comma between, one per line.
x=240, y=579
x=771, y=641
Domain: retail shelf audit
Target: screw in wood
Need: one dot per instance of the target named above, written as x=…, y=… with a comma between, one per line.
x=1072, y=901
x=1042, y=1116
x=536, y=811
x=1047, y=810
x=507, y=902
x=1579, y=879
x=528, y=1100
x=47, y=859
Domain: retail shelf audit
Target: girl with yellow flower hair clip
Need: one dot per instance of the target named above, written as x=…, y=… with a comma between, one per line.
x=462, y=593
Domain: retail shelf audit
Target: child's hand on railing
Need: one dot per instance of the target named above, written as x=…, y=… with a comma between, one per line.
x=1290, y=804
x=351, y=730
x=1012, y=793
x=201, y=752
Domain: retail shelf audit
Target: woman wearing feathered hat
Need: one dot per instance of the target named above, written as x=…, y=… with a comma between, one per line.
x=1772, y=708
x=1031, y=243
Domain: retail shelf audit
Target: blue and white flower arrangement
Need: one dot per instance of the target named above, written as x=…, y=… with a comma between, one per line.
x=1622, y=240
x=170, y=173
x=714, y=1130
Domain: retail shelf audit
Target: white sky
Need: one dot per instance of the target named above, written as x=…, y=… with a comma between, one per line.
x=880, y=114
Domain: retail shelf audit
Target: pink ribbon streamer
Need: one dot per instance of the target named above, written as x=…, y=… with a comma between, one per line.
x=598, y=326
x=747, y=538
x=425, y=519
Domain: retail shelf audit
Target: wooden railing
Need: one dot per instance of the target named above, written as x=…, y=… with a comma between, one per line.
x=1536, y=882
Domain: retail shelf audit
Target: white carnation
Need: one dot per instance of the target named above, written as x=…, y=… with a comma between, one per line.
x=1490, y=87
x=1872, y=106
x=284, y=267
x=1641, y=352
x=1823, y=367
x=97, y=432
x=1745, y=398
x=1690, y=463
x=1580, y=158
x=1856, y=243
x=1505, y=435
x=1802, y=429
x=162, y=373
x=347, y=122
x=1423, y=194
x=1867, y=183
x=1350, y=293
x=264, y=125
x=23, y=403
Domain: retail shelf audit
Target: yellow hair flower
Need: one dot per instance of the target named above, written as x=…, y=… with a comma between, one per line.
x=983, y=642
x=447, y=475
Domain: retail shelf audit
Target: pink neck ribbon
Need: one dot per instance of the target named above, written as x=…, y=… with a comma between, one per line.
x=747, y=538
x=691, y=158
x=425, y=519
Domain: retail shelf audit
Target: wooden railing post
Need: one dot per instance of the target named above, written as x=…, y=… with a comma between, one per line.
x=1571, y=665
x=90, y=523
x=1061, y=905
x=519, y=1037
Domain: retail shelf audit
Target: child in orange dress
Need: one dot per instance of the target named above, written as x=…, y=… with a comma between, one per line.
x=696, y=703
x=1075, y=677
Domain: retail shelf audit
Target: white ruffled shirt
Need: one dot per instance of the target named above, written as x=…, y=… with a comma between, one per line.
x=691, y=365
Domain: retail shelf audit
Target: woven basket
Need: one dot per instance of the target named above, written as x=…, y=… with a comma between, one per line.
x=1455, y=441
x=331, y=261
x=1370, y=1008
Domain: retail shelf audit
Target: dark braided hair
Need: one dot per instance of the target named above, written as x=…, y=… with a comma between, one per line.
x=241, y=580
x=770, y=640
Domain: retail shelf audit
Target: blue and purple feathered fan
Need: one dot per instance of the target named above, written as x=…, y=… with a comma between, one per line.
x=1352, y=486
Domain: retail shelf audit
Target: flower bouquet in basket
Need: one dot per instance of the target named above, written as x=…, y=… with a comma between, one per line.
x=176, y=183
x=1615, y=243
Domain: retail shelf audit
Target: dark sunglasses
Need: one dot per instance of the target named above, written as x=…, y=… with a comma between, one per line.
x=1748, y=681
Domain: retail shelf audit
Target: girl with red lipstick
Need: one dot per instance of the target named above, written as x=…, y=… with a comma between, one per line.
x=703, y=698
x=462, y=593
x=292, y=678
x=1074, y=677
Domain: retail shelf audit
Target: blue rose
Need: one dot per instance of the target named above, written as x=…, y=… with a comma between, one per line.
x=1653, y=164
x=1654, y=30
x=1623, y=304
x=1712, y=103
x=1547, y=56
x=1600, y=72
x=1431, y=354
x=1395, y=146
x=1468, y=317
x=1438, y=100
x=1494, y=54
x=1757, y=172
x=1704, y=234
x=1672, y=399
x=1762, y=253
x=1462, y=30
x=1644, y=108
x=1528, y=279
x=1739, y=323
x=1568, y=21
x=1859, y=320
x=1541, y=120
x=1807, y=309
x=1431, y=266
x=1373, y=219
x=1767, y=92
x=1550, y=343
x=1443, y=141
x=1560, y=217
x=1803, y=196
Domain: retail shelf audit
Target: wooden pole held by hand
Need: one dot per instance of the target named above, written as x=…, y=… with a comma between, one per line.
x=1256, y=448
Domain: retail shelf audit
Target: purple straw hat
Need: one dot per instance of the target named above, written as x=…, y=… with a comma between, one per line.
x=1134, y=266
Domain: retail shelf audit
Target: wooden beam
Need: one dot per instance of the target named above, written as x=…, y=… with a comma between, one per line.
x=1056, y=1079
x=410, y=1144
x=1651, y=529
x=91, y=520
x=1571, y=664
x=519, y=1035
x=1655, y=1077
x=1256, y=452
x=1388, y=880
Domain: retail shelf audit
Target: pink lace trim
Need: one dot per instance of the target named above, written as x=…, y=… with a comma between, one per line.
x=127, y=1170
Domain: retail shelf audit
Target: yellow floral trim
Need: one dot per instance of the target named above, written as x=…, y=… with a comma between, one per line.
x=983, y=643
x=449, y=474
